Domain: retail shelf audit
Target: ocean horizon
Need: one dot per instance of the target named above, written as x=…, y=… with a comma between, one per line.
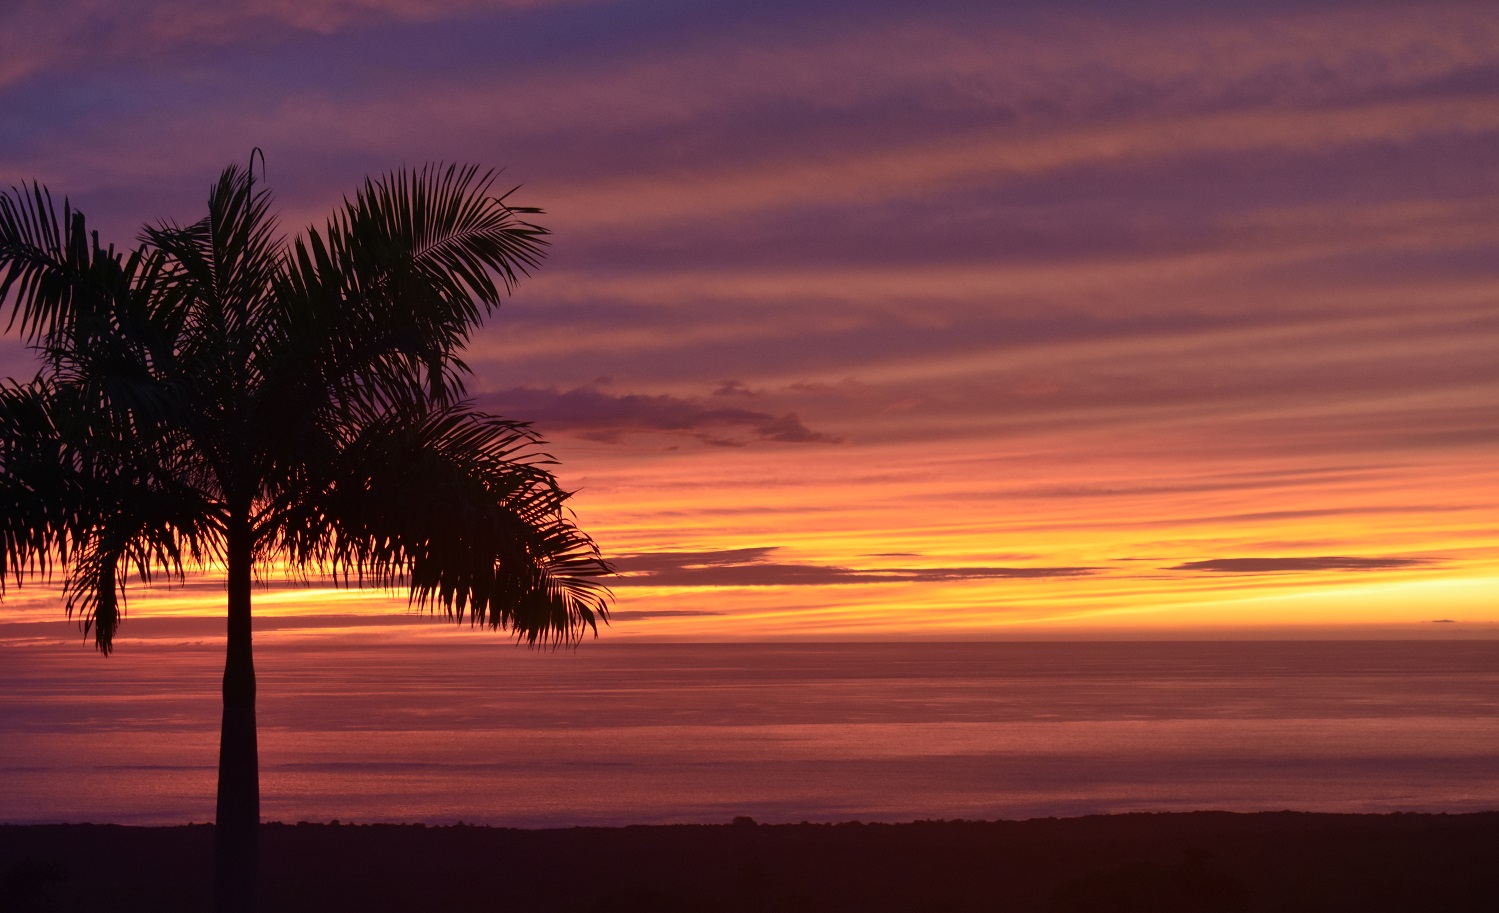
x=662, y=733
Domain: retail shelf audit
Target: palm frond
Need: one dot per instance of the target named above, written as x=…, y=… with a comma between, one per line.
x=152, y=533
x=411, y=260
x=459, y=508
x=51, y=266
x=94, y=499
x=222, y=272
x=37, y=495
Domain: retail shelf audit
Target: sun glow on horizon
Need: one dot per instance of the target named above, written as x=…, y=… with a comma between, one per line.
x=1021, y=322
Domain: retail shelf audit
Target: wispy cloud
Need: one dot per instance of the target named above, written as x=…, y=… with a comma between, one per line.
x=1276, y=565
x=645, y=614
x=43, y=35
x=597, y=415
x=751, y=567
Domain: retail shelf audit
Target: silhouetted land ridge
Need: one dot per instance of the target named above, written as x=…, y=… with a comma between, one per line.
x=1200, y=862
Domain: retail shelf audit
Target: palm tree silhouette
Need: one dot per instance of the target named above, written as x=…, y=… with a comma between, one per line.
x=217, y=397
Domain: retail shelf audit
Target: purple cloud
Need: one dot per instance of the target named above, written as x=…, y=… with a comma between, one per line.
x=1275, y=565
x=733, y=388
x=643, y=614
x=596, y=415
x=749, y=567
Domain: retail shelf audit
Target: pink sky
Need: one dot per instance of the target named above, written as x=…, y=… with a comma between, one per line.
x=874, y=321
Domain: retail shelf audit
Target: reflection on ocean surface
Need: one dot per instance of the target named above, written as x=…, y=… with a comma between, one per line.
x=638, y=733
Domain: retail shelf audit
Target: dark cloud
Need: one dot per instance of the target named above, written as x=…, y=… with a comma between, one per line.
x=657, y=562
x=643, y=614
x=733, y=388
x=600, y=416
x=1272, y=565
x=748, y=567
x=1100, y=371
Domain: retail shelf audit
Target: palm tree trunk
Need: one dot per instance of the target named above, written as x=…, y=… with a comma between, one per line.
x=237, y=831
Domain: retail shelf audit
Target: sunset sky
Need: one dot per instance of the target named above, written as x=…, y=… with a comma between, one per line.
x=891, y=320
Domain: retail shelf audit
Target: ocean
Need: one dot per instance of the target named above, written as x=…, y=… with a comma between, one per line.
x=630, y=733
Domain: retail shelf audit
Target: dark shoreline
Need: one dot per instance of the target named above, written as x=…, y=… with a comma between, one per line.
x=1200, y=862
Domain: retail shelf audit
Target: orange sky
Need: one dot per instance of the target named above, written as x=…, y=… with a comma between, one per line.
x=1032, y=322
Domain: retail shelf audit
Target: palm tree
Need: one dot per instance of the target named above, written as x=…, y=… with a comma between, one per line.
x=217, y=397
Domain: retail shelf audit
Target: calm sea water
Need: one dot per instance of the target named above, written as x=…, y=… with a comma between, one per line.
x=633, y=733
